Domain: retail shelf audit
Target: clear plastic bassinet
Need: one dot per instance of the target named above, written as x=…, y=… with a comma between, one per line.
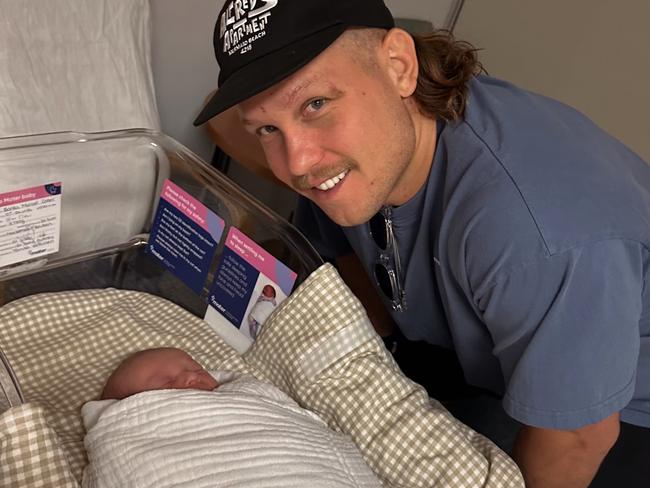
x=107, y=190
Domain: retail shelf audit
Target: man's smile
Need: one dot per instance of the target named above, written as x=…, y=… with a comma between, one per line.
x=332, y=182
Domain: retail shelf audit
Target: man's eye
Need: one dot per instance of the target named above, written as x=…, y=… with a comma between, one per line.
x=266, y=130
x=316, y=104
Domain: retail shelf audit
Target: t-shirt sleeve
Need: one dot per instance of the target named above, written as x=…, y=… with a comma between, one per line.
x=566, y=332
x=327, y=237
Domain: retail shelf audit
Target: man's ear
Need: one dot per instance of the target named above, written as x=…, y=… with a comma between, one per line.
x=398, y=50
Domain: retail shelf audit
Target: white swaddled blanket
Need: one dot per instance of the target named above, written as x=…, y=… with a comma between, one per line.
x=244, y=434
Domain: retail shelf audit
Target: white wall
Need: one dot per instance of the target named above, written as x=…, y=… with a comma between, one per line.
x=184, y=66
x=436, y=12
x=591, y=54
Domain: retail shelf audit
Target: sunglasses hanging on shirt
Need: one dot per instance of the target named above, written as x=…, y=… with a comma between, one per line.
x=387, y=269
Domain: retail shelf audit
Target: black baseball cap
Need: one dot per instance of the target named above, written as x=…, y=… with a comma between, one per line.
x=261, y=42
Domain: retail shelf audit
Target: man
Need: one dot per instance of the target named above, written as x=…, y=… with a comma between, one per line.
x=493, y=221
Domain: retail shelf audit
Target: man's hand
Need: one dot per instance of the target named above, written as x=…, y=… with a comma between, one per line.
x=551, y=458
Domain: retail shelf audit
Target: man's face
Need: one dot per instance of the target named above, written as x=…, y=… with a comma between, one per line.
x=337, y=132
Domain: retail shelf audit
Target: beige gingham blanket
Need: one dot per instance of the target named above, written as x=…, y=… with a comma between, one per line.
x=318, y=347
x=30, y=451
x=321, y=349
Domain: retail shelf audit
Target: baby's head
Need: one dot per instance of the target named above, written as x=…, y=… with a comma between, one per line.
x=157, y=369
x=268, y=291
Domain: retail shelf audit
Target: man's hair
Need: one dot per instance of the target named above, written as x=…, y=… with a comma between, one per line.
x=446, y=66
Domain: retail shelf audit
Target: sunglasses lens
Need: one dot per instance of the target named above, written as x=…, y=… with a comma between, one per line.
x=378, y=230
x=383, y=279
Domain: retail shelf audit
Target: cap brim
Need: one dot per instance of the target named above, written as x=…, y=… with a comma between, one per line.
x=268, y=70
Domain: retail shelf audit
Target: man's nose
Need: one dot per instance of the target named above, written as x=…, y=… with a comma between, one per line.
x=303, y=151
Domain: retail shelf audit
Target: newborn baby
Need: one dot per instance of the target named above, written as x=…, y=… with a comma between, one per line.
x=165, y=421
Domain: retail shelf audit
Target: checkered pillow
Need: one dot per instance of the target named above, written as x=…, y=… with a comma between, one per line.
x=319, y=347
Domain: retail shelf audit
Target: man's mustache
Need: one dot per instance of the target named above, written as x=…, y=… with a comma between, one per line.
x=320, y=174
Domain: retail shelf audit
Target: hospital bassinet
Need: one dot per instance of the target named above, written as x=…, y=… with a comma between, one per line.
x=119, y=241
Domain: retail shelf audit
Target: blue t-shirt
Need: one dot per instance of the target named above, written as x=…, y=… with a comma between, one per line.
x=527, y=253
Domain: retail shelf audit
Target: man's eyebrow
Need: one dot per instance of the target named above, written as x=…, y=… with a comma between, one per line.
x=291, y=96
x=247, y=122
x=287, y=99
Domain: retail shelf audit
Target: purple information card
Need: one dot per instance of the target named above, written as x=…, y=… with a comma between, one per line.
x=184, y=235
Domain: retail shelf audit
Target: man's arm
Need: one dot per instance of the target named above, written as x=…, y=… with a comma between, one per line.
x=551, y=458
